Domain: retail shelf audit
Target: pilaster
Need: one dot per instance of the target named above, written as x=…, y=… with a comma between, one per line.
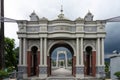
x=24, y=51
x=80, y=72
x=102, y=52
x=100, y=73
x=42, y=72
x=81, y=52
x=57, y=61
x=98, y=52
x=20, y=51
x=45, y=51
x=22, y=72
x=41, y=52
x=66, y=59
x=77, y=48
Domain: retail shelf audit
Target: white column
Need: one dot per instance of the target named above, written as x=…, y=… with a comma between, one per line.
x=41, y=52
x=98, y=51
x=57, y=60
x=81, y=51
x=102, y=51
x=66, y=59
x=20, y=49
x=24, y=51
x=45, y=51
x=77, y=46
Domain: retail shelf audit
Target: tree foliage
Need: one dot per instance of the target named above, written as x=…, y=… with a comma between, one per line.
x=10, y=54
x=11, y=57
x=107, y=67
x=107, y=71
x=117, y=74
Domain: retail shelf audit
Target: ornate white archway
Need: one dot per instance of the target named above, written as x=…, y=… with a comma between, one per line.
x=66, y=59
x=57, y=42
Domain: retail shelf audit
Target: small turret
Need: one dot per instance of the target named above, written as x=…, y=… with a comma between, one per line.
x=34, y=17
x=89, y=16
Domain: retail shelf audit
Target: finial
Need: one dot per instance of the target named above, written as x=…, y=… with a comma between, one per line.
x=88, y=11
x=61, y=16
x=61, y=9
x=33, y=11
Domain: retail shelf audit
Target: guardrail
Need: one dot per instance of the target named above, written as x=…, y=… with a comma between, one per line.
x=16, y=75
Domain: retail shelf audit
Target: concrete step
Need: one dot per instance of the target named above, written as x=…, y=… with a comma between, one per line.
x=61, y=78
x=33, y=78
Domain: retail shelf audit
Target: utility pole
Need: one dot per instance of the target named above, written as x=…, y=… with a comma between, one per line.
x=2, y=59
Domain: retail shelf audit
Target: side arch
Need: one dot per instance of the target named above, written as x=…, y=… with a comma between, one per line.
x=90, y=61
x=93, y=48
x=33, y=60
x=29, y=48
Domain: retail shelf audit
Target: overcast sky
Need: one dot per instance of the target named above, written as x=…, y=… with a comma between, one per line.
x=101, y=9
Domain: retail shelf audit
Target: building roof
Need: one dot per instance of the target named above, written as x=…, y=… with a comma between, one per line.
x=115, y=55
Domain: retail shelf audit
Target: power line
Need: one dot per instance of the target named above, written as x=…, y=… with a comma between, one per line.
x=114, y=19
x=4, y=19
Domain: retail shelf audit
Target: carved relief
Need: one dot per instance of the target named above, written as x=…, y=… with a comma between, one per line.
x=73, y=42
x=101, y=27
x=50, y=42
x=33, y=43
x=61, y=28
x=79, y=29
x=90, y=28
x=22, y=27
x=66, y=28
x=43, y=29
x=91, y=43
x=32, y=28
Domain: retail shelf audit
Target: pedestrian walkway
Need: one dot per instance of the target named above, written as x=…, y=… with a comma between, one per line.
x=61, y=78
x=61, y=72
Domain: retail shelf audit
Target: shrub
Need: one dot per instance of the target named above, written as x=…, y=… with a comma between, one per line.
x=3, y=74
x=117, y=74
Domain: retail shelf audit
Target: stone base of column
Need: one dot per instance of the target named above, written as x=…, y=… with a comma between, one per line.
x=100, y=71
x=22, y=72
x=42, y=72
x=80, y=72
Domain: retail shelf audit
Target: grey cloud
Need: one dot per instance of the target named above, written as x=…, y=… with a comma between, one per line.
x=101, y=9
x=112, y=41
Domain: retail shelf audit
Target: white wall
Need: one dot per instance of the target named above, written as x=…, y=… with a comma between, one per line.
x=114, y=66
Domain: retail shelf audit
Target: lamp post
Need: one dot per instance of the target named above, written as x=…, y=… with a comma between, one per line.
x=2, y=60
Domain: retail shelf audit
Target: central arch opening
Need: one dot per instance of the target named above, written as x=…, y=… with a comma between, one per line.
x=61, y=58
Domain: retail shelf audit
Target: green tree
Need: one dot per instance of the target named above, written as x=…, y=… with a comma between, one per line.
x=10, y=55
x=107, y=72
x=70, y=62
x=16, y=50
x=61, y=63
x=107, y=67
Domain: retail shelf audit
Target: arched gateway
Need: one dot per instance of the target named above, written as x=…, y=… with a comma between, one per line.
x=84, y=38
x=61, y=43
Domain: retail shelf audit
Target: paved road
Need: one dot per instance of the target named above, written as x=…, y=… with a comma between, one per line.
x=61, y=72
